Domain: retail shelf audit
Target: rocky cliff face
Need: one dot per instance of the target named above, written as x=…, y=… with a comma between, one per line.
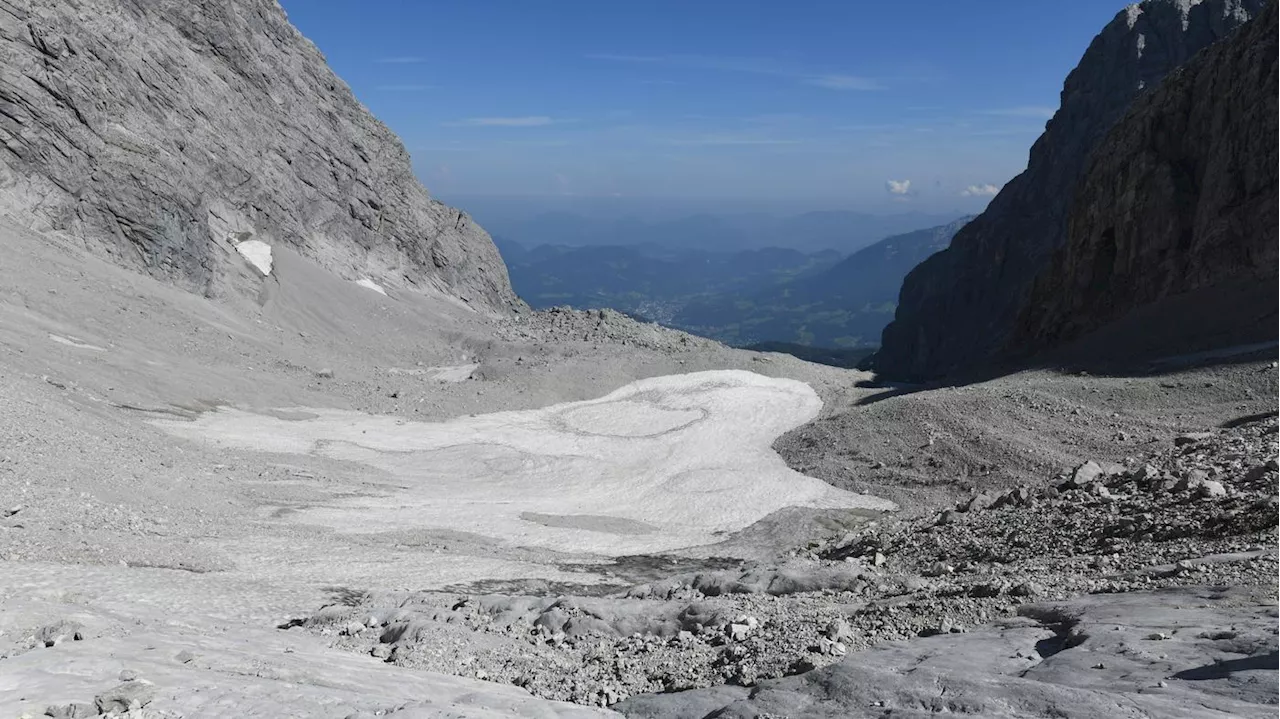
x=1181, y=197
x=163, y=132
x=957, y=308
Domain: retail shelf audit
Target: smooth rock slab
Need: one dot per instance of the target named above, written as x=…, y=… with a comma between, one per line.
x=1020, y=667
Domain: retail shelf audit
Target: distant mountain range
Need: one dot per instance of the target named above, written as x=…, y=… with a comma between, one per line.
x=779, y=297
x=809, y=232
x=845, y=306
x=648, y=281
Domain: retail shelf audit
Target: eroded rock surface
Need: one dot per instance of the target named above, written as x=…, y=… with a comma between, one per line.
x=957, y=308
x=164, y=133
x=1202, y=652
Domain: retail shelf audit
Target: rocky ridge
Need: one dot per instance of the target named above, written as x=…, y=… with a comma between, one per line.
x=165, y=134
x=1179, y=198
x=563, y=325
x=957, y=308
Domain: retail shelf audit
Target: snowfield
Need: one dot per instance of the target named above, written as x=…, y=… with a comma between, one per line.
x=258, y=253
x=660, y=464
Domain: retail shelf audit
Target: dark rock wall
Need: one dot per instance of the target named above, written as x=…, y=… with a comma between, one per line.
x=956, y=310
x=1180, y=197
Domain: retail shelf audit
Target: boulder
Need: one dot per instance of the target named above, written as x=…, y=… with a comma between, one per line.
x=1210, y=489
x=126, y=696
x=1084, y=475
x=977, y=502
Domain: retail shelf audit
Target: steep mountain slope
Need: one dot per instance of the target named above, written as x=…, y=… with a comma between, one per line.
x=1180, y=198
x=844, y=306
x=956, y=309
x=163, y=132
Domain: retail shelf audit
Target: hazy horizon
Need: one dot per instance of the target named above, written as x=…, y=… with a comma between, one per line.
x=657, y=207
x=688, y=223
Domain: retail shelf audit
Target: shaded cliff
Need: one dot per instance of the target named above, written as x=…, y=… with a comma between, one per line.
x=1179, y=202
x=161, y=132
x=956, y=310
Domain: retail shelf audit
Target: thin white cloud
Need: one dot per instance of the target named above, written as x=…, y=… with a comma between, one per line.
x=729, y=140
x=867, y=128
x=758, y=66
x=538, y=143
x=524, y=121
x=984, y=190
x=775, y=118
x=748, y=65
x=402, y=60
x=614, y=57
x=1041, y=111
x=898, y=187
x=443, y=148
x=1006, y=131
x=843, y=82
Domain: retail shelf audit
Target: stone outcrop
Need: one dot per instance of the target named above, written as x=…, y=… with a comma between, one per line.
x=164, y=132
x=1181, y=197
x=956, y=310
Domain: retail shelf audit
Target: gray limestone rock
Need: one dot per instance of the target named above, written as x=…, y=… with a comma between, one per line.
x=75, y=710
x=1084, y=475
x=58, y=632
x=126, y=696
x=162, y=134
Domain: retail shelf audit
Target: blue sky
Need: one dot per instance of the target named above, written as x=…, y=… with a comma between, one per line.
x=929, y=104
